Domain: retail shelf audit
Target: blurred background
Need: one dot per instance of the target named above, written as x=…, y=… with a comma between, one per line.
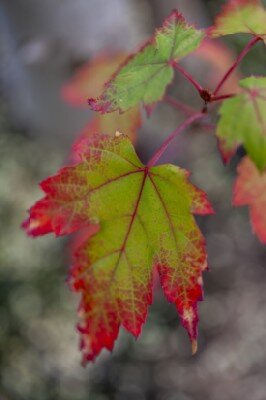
x=42, y=43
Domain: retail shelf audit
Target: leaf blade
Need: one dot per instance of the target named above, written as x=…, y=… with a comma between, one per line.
x=145, y=75
x=113, y=267
x=241, y=16
x=243, y=120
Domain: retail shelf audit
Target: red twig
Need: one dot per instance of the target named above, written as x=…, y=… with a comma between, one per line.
x=243, y=53
x=178, y=105
x=189, y=121
x=205, y=94
x=188, y=76
x=222, y=97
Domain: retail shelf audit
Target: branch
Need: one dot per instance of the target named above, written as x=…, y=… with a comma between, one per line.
x=222, y=97
x=189, y=121
x=243, y=53
x=188, y=111
x=205, y=94
x=188, y=77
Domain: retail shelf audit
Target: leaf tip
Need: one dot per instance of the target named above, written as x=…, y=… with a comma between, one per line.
x=209, y=209
x=93, y=104
x=194, y=346
x=226, y=152
x=149, y=108
x=174, y=15
x=36, y=226
x=101, y=105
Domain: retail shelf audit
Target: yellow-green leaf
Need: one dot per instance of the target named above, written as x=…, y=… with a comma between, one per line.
x=241, y=16
x=145, y=75
x=243, y=120
x=145, y=218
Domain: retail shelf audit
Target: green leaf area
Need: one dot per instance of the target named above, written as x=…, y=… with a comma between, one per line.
x=243, y=120
x=241, y=16
x=145, y=75
x=145, y=217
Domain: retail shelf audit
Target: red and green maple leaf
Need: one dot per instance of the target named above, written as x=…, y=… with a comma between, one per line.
x=144, y=76
x=89, y=80
x=145, y=222
x=250, y=190
x=241, y=16
x=243, y=120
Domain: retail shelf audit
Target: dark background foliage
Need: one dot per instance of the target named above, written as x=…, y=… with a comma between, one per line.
x=41, y=43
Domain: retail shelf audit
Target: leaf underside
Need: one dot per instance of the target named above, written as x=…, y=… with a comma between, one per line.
x=250, y=190
x=145, y=223
x=241, y=16
x=145, y=75
x=243, y=121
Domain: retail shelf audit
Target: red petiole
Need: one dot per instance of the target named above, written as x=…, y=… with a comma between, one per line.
x=188, y=76
x=243, y=53
x=189, y=121
x=207, y=96
x=222, y=97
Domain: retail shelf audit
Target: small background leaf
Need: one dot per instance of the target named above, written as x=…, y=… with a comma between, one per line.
x=241, y=16
x=250, y=190
x=243, y=120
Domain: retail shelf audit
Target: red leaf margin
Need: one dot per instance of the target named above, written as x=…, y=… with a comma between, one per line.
x=250, y=190
x=45, y=217
x=107, y=108
x=72, y=92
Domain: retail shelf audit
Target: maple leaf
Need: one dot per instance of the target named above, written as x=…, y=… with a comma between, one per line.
x=250, y=189
x=145, y=218
x=145, y=75
x=89, y=80
x=243, y=120
x=241, y=16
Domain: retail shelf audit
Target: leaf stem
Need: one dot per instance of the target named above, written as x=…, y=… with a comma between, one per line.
x=222, y=97
x=187, y=110
x=240, y=57
x=189, y=121
x=188, y=77
x=192, y=116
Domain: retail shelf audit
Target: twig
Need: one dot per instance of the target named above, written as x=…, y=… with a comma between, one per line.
x=243, y=53
x=189, y=121
x=188, y=77
x=222, y=97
